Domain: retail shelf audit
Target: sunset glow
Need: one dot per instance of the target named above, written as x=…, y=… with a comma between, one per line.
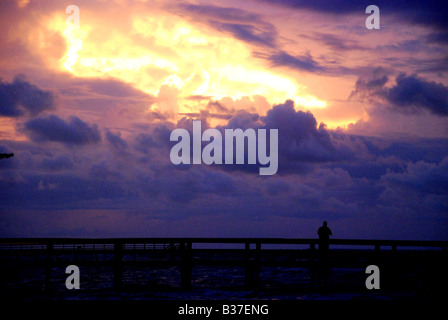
x=179, y=54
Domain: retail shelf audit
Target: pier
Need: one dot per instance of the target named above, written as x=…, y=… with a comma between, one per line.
x=250, y=254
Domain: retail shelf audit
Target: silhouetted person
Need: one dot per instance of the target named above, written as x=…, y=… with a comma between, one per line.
x=6, y=155
x=324, y=239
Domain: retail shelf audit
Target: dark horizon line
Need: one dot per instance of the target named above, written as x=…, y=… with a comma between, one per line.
x=252, y=240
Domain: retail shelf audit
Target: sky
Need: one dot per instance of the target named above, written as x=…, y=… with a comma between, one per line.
x=87, y=107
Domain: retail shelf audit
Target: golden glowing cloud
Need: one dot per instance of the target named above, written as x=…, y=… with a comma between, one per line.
x=150, y=50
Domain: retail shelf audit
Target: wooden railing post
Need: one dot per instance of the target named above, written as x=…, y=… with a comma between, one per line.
x=118, y=265
x=247, y=266
x=48, y=266
x=257, y=266
x=186, y=267
x=312, y=261
x=252, y=266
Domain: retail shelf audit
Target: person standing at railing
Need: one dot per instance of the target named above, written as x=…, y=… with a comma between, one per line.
x=324, y=238
x=324, y=233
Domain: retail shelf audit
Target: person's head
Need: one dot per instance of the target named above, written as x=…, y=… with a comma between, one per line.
x=325, y=223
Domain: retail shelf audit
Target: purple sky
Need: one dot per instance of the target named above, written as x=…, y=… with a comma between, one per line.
x=362, y=118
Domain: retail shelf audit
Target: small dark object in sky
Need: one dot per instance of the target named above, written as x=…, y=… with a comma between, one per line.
x=6, y=155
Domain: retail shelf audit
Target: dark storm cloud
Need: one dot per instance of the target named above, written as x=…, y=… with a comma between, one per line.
x=439, y=37
x=217, y=106
x=258, y=35
x=214, y=109
x=422, y=177
x=60, y=191
x=221, y=13
x=72, y=132
x=326, y=6
x=299, y=62
x=198, y=97
x=320, y=175
x=430, y=12
x=411, y=46
x=438, y=66
x=302, y=142
x=116, y=141
x=145, y=142
x=156, y=139
x=23, y=98
x=251, y=28
x=414, y=92
x=243, y=25
x=194, y=183
x=243, y=120
x=205, y=114
x=106, y=87
x=411, y=150
x=371, y=85
x=410, y=93
x=57, y=163
x=301, y=139
x=335, y=42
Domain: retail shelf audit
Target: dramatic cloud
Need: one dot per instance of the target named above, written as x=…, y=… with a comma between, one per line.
x=372, y=85
x=71, y=132
x=414, y=92
x=335, y=42
x=423, y=177
x=323, y=174
x=304, y=63
x=116, y=141
x=300, y=138
x=439, y=37
x=219, y=13
x=431, y=12
x=61, y=162
x=249, y=33
x=23, y=98
x=410, y=92
x=243, y=25
x=302, y=142
x=156, y=138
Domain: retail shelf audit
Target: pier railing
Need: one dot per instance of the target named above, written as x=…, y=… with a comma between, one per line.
x=248, y=253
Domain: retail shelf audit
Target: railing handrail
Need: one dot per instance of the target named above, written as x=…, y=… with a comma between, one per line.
x=308, y=241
